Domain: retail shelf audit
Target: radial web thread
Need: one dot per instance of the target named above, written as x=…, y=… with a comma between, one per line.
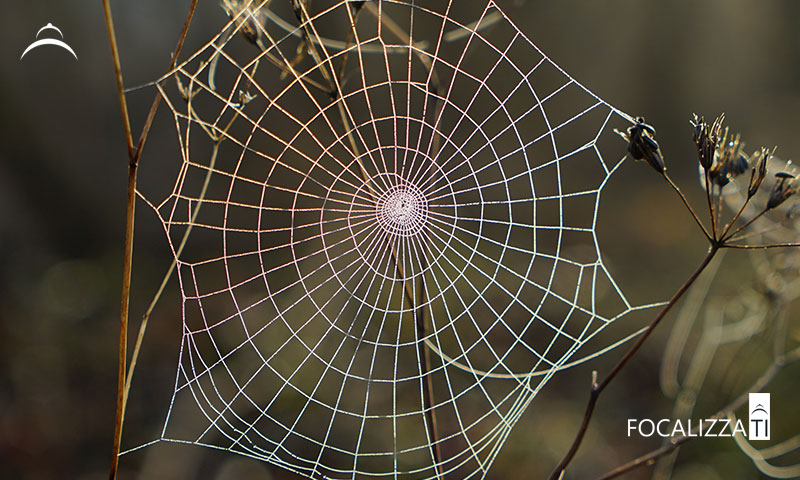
x=392, y=208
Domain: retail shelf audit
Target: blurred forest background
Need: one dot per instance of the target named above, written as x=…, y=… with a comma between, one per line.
x=62, y=206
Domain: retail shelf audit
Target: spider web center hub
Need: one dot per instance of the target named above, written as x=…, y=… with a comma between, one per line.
x=402, y=210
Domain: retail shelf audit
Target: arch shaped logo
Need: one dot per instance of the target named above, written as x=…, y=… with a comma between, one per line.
x=49, y=41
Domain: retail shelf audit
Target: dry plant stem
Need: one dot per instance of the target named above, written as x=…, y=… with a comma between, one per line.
x=128, y=253
x=735, y=218
x=759, y=247
x=758, y=386
x=688, y=206
x=123, y=324
x=425, y=362
x=718, y=212
x=157, y=100
x=597, y=388
x=744, y=226
x=710, y=207
x=133, y=162
x=350, y=36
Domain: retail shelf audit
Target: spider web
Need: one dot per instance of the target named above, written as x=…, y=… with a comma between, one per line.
x=392, y=208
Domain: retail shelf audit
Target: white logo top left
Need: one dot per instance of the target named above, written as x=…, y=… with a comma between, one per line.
x=49, y=41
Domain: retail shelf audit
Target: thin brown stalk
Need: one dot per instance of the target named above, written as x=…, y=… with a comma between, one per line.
x=157, y=100
x=744, y=226
x=133, y=163
x=597, y=388
x=709, y=194
x=760, y=247
x=123, y=103
x=425, y=362
x=718, y=211
x=688, y=206
x=128, y=248
x=735, y=218
x=350, y=35
x=123, y=323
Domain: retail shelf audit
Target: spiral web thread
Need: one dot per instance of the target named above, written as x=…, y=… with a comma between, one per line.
x=393, y=239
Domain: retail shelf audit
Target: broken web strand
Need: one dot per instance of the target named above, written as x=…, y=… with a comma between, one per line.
x=446, y=250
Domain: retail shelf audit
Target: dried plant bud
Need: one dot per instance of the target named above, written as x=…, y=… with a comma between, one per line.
x=706, y=137
x=729, y=161
x=643, y=146
x=786, y=186
x=248, y=17
x=759, y=172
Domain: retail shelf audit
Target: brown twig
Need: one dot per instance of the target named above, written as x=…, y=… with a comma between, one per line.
x=733, y=234
x=425, y=362
x=735, y=218
x=597, y=388
x=688, y=206
x=762, y=247
x=157, y=100
x=709, y=194
x=133, y=162
x=128, y=252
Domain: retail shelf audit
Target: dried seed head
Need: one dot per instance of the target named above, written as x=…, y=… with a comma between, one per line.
x=759, y=172
x=729, y=160
x=785, y=186
x=707, y=138
x=642, y=145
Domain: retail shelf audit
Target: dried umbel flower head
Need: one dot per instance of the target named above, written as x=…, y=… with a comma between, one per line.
x=759, y=173
x=707, y=138
x=642, y=144
x=785, y=186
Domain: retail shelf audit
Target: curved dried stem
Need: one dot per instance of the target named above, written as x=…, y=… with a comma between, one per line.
x=746, y=224
x=762, y=247
x=688, y=206
x=711, y=215
x=597, y=388
x=736, y=217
